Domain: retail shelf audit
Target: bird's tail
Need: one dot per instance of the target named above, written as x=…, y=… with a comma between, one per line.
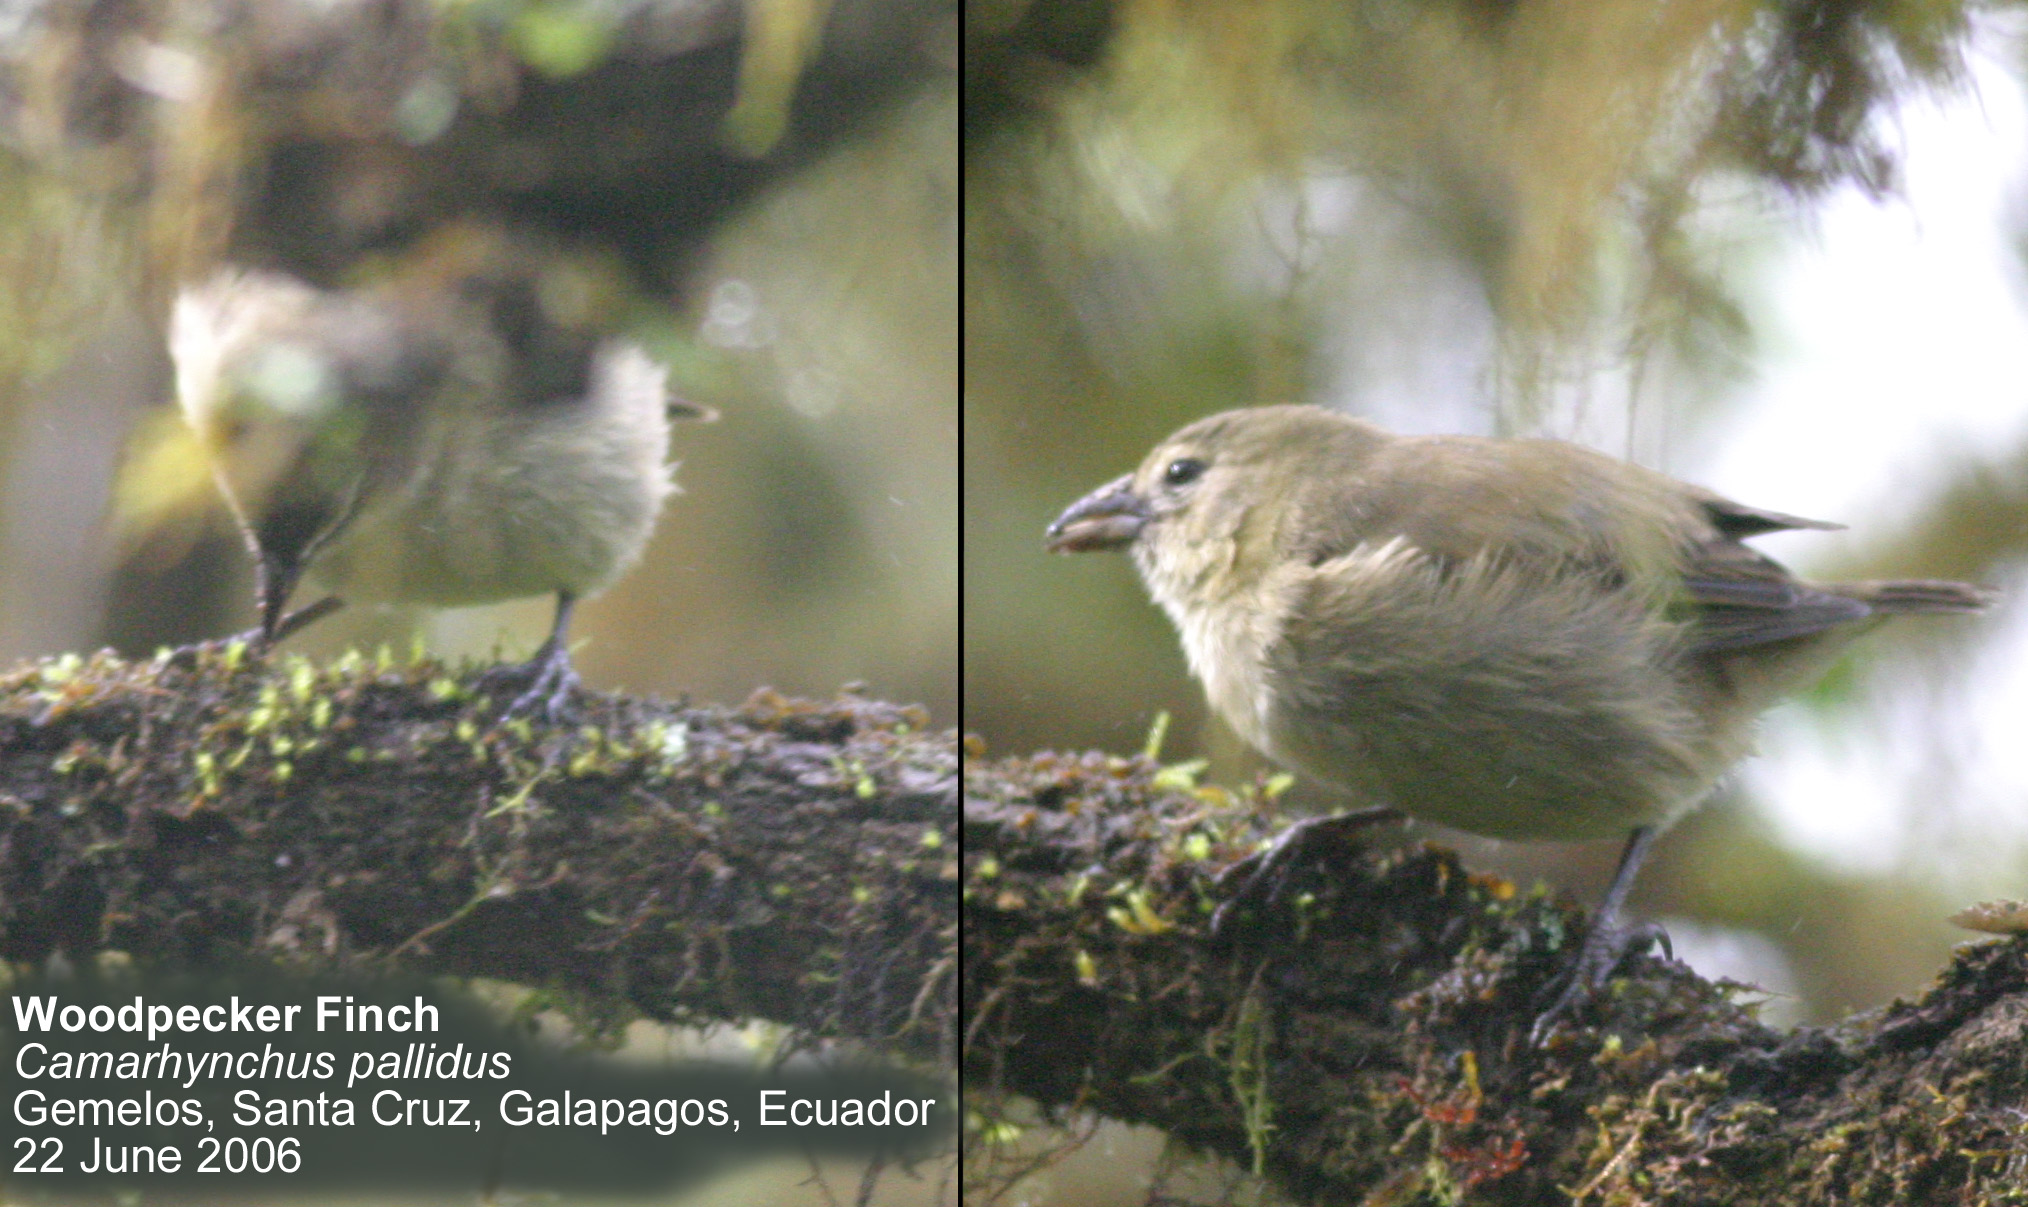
x=1920, y=595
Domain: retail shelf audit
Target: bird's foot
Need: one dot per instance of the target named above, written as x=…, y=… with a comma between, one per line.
x=250, y=646
x=302, y=617
x=1605, y=948
x=1264, y=878
x=552, y=683
x=257, y=642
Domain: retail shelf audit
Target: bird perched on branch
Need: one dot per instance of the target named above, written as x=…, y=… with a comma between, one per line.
x=458, y=430
x=1520, y=638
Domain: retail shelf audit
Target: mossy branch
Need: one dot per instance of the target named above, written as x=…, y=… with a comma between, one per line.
x=785, y=860
x=1371, y=1045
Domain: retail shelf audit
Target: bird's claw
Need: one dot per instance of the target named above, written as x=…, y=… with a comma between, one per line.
x=555, y=689
x=292, y=622
x=1605, y=948
x=553, y=684
x=1264, y=877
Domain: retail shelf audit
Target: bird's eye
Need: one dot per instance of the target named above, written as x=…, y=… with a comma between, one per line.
x=1183, y=471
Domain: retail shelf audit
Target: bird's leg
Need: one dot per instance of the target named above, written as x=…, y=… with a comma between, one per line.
x=1267, y=873
x=274, y=580
x=305, y=616
x=1608, y=942
x=554, y=679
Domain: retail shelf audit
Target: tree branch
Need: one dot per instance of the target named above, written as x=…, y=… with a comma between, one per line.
x=303, y=136
x=1370, y=1046
x=784, y=860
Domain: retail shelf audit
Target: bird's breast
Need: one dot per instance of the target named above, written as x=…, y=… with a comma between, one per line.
x=1507, y=705
x=527, y=504
x=1224, y=648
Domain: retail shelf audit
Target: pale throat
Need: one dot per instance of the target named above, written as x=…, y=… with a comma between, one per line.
x=1225, y=633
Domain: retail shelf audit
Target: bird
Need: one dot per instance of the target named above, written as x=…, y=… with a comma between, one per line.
x=456, y=429
x=1521, y=638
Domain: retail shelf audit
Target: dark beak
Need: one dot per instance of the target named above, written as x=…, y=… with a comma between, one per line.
x=1107, y=518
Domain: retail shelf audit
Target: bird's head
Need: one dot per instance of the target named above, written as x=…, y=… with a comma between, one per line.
x=1211, y=507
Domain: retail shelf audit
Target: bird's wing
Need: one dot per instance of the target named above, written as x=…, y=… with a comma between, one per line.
x=1535, y=505
x=1734, y=597
x=1738, y=521
x=1454, y=498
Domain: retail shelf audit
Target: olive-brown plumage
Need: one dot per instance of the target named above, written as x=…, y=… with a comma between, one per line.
x=1520, y=638
x=461, y=429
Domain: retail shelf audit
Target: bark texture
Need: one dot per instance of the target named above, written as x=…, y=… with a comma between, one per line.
x=1368, y=1043
x=785, y=860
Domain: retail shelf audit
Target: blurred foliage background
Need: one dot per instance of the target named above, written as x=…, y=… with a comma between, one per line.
x=1590, y=220
x=780, y=180
x=808, y=292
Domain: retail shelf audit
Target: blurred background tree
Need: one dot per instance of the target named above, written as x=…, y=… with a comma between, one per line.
x=778, y=180
x=1771, y=246
x=774, y=181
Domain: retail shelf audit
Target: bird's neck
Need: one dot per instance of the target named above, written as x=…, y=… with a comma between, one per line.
x=1211, y=590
